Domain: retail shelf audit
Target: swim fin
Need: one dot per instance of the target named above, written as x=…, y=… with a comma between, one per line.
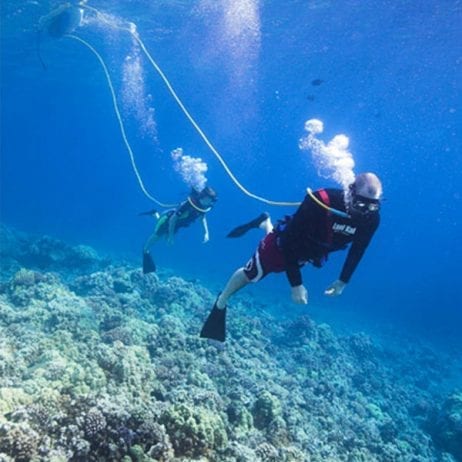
x=151, y=213
x=242, y=229
x=215, y=325
x=148, y=263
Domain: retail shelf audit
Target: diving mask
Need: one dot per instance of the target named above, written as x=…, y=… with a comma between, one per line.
x=363, y=205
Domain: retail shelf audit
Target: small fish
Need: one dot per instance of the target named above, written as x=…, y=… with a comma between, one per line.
x=310, y=97
x=317, y=82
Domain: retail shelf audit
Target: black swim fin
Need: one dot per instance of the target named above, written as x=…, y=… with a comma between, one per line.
x=242, y=229
x=215, y=325
x=148, y=263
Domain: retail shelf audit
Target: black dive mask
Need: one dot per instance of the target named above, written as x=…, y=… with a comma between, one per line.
x=361, y=207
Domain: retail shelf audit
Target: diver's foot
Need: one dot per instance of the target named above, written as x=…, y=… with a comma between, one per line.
x=262, y=221
x=266, y=224
x=148, y=263
x=219, y=302
x=215, y=324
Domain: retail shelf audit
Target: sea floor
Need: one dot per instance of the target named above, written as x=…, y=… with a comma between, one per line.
x=101, y=363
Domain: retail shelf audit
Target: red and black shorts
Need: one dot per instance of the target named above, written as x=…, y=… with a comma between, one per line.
x=268, y=258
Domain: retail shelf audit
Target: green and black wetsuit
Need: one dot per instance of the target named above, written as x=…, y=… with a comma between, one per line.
x=187, y=213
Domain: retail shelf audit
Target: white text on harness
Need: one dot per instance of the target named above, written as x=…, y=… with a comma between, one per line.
x=343, y=229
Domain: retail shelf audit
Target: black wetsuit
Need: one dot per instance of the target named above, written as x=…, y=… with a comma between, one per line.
x=313, y=232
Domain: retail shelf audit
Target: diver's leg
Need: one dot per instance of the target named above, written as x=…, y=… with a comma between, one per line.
x=215, y=324
x=267, y=258
x=159, y=229
x=236, y=282
x=150, y=242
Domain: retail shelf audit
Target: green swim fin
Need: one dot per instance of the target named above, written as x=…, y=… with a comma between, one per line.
x=242, y=229
x=215, y=325
x=148, y=263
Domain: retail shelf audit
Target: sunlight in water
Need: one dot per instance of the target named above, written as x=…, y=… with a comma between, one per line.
x=134, y=96
x=241, y=33
x=135, y=100
x=242, y=22
x=235, y=35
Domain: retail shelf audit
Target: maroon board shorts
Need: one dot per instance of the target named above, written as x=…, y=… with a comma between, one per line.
x=268, y=258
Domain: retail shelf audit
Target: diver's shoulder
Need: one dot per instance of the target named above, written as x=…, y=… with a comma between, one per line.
x=334, y=192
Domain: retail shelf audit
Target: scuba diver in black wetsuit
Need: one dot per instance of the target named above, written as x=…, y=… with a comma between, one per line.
x=326, y=221
x=168, y=223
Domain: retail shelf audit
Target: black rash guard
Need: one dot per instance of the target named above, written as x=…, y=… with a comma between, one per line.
x=187, y=214
x=313, y=232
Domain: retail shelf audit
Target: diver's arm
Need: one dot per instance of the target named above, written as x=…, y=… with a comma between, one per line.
x=294, y=275
x=290, y=240
x=357, y=249
x=206, y=230
x=354, y=256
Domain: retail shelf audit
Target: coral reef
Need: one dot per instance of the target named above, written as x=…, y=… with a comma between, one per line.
x=19, y=250
x=195, y=431
x=446, y=425
x=99, y=363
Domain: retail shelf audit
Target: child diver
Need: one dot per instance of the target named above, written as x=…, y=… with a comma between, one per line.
x=196, y=206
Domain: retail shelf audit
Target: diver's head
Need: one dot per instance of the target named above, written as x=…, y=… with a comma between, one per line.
x=206, y=198
x=364, y=195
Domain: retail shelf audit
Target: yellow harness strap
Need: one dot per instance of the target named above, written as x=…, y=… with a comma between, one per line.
x=340, y=213
x=315, y=199
x=193, y=205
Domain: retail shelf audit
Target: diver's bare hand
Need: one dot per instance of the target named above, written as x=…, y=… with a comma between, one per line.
x=335, y=289
x=299, y=295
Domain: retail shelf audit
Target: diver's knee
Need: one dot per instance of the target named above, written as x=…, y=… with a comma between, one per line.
x=242, y=275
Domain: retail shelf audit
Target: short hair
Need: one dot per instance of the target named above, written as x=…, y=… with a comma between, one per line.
x=368, y=185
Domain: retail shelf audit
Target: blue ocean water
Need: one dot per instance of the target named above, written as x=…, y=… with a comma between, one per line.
x=386, y=74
